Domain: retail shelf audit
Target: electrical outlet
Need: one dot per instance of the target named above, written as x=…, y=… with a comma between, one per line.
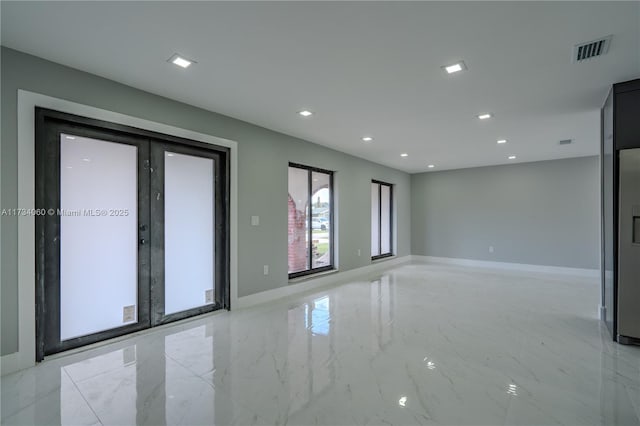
x=265, y=269
x=255, y=220
x=208, y=296
x=359, y=252
x=490, y=249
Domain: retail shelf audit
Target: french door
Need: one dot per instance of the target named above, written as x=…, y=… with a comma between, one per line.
x=131, y=229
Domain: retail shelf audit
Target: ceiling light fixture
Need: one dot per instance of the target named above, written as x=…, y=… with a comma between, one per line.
x=180, y=61
x=454, y=68
x=431, y=166
x=484, y=116
x=367, y=139
x=512, y=157
x=404, y=154
x=305, y=113
x=501, y=141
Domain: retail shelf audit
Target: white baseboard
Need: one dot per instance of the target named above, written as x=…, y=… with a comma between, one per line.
x=324, y=280
x=10, y=363
x=507, y=266
x=602, y=311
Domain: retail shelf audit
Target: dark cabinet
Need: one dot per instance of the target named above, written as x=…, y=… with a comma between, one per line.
x=627, y=117
x=620, y=169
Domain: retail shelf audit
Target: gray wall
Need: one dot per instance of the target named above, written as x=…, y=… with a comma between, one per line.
x=543, y=213
x=263, y=156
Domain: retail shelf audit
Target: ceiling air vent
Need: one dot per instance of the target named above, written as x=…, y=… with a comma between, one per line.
x=591, y=49
x=566, y=141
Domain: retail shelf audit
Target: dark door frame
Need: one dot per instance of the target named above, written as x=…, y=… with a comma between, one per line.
x=48, y=126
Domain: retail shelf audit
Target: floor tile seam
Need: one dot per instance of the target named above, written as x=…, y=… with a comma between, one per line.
x=635, y=406
x=240, y=404
x=195, y=374
x=32, y=401
x=82, y=395
x=102, y=373
x=212, y=385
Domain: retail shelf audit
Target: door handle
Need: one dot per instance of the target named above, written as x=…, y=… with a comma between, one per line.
x=143, y=241
x=635, y=224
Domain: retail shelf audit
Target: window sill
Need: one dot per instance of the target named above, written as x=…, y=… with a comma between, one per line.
x=312, y=276
x=382, y=259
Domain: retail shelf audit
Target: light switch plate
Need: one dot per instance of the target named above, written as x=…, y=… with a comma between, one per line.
x=255, y=220
x=129, y=313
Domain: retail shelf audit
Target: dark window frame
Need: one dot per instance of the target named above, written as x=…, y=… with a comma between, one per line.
x=390, y=253
x=311, y=270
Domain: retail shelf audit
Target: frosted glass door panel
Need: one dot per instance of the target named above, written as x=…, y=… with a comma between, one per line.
x=375, y=219
x=385, y=219
x=98, y=235
x=188, y=232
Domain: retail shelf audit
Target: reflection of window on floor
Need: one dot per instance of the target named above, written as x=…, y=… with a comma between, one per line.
x=311, y=350
x=382, y=312
x=320, y=316
x=310, y=216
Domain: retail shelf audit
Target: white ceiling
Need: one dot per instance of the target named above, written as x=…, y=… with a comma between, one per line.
x=364, y=68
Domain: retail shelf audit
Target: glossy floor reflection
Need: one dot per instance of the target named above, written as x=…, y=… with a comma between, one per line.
x=421, y=344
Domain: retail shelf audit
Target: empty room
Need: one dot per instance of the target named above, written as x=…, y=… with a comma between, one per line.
x=320, y=213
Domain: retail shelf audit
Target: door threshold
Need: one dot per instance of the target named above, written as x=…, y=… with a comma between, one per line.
x=147, y=331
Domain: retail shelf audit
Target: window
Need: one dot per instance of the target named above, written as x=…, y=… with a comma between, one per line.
x=381, y=219
x=310, y=229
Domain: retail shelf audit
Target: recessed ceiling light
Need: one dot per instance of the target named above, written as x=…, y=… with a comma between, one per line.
x=70, y=137
x=404, y=154
x=501, y=141
x=86, y=160
x=305, y=113
x=484, y=116
x=454, y=68
x=367, y=138
x=431, y=166
x=180, y=61
x=512, y=157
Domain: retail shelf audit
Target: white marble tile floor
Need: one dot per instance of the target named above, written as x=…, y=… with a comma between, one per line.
x=421, y=344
